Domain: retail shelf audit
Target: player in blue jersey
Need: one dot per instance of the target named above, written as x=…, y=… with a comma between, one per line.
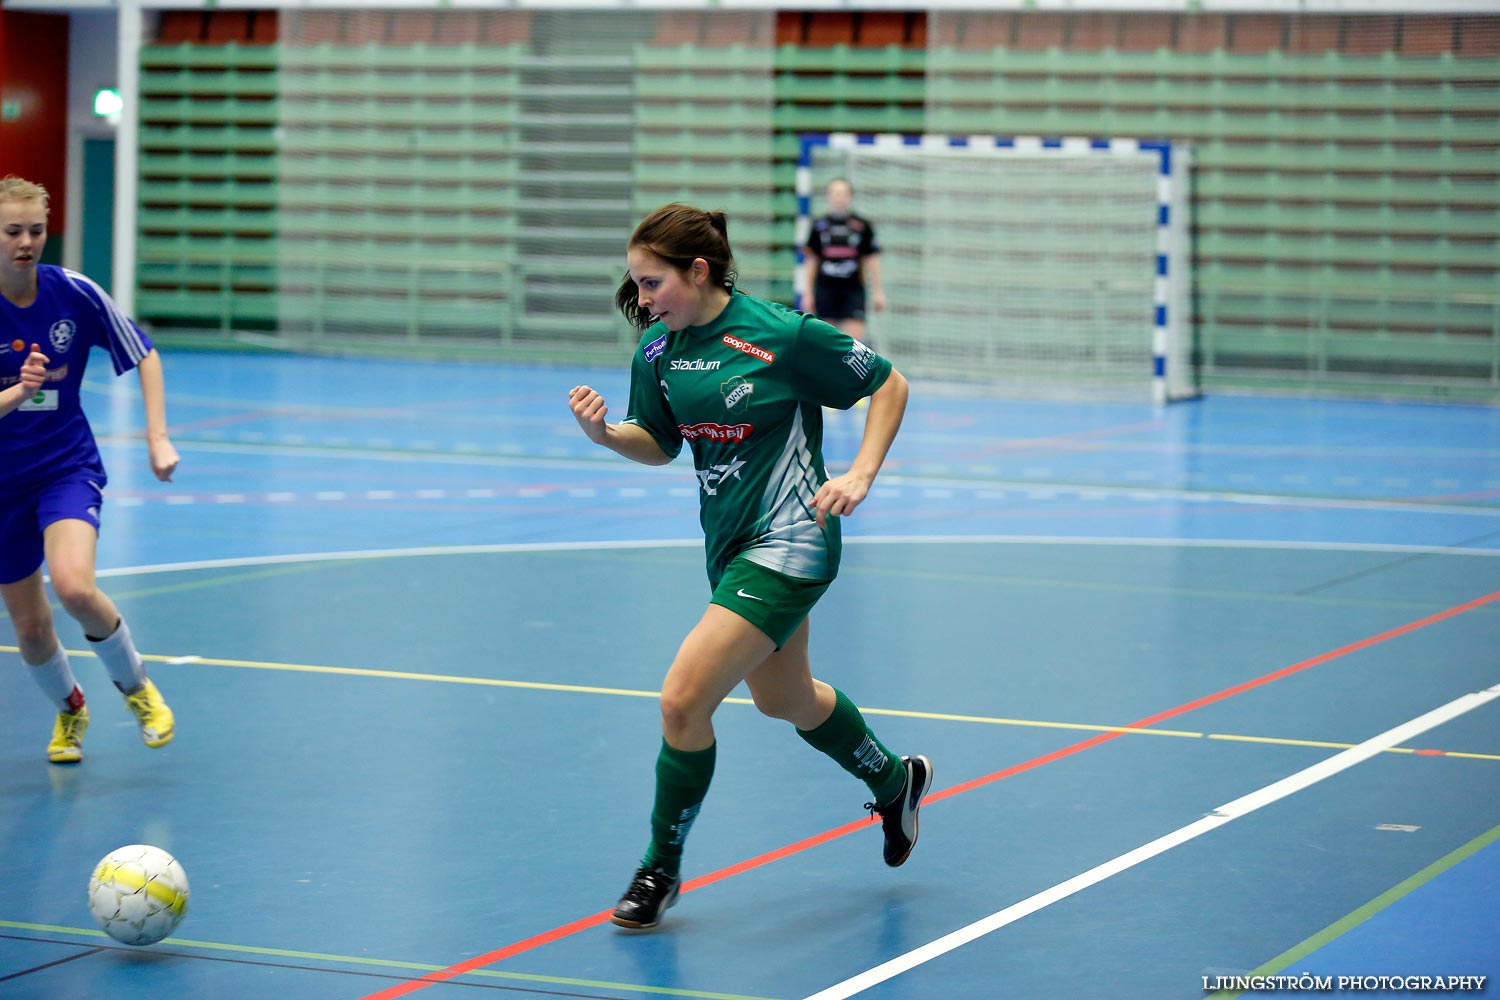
x=743, y=381
x=51, y=476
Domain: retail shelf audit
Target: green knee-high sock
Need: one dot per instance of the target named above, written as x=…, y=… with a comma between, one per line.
x=682, y=779
x=847, y=738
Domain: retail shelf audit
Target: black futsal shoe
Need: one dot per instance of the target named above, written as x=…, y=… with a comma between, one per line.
x=899, y=816
x=652, y=892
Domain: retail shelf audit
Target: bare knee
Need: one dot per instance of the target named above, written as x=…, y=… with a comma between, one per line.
x=802, y=700
x=786, y=704
x=31, y=618
x=34, y=628
x=677, y=712
x=686, y=718
x=78, y=595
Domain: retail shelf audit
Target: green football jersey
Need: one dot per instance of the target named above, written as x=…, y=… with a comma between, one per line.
x=746, y=392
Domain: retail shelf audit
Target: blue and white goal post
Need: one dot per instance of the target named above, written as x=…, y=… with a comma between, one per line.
x=1025, y=263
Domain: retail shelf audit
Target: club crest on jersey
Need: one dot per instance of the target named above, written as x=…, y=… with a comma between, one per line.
x=61, y=335
x=736, y=392
x=653, y=350
x=861, y=359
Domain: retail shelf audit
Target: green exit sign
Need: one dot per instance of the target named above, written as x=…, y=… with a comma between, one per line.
x=10, y=110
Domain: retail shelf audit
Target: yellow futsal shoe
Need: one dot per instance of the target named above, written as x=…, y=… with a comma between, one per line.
x=157, y=725
x=67, y=737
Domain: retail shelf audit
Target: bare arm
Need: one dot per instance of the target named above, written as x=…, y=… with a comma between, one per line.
x=33, y=375
x=811, y=266
x=873, y=280
x=841, y=494
x=164, y=456
x=635, y=443
x=11, y=398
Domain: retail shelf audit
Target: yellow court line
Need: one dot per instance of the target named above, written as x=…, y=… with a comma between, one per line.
x=309, y=668
x=387, y=963
x=1346, y=746
x=1281, y=742
x=1029, y=723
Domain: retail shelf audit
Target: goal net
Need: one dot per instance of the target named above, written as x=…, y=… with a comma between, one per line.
x=1028, y=264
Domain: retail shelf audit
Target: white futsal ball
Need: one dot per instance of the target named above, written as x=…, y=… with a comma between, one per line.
x=138, y=894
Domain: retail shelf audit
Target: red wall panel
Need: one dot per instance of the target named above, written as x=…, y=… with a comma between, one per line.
x=34, y=84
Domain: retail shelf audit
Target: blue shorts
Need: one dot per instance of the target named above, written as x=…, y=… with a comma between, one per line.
x=24, y=516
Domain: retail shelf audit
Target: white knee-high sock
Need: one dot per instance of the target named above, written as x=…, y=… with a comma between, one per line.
x=55, y=678
x=121, y=661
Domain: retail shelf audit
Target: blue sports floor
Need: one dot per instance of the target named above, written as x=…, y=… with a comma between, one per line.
x=1210, y=691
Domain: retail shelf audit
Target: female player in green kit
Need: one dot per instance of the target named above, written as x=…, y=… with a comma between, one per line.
x=743, y=381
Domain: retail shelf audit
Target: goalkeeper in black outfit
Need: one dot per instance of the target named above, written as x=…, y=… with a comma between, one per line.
x=843, y=263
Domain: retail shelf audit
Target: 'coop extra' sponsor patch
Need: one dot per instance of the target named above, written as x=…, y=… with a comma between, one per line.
x=749, y=348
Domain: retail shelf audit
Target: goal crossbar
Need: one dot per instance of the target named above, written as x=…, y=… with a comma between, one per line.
x=1162, y=244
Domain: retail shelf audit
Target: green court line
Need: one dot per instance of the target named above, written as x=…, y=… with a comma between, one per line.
x=1352, y=920
x=387, y=963
x=672, y=558
x=1106, y=586
x=637, y=548
x=221, y=581
x=280, y=569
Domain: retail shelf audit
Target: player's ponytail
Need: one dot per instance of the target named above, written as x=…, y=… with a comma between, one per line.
x=679, y=234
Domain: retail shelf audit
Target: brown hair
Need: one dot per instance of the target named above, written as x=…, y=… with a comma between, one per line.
x=678, y=234
x=13, y=188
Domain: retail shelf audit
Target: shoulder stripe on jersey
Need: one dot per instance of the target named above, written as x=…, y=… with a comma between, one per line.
x=124, y=332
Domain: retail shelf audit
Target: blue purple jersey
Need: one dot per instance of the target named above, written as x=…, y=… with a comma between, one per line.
x=49, y=435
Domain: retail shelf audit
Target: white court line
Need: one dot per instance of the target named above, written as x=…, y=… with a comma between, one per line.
x=1242, y=806
x=432, y=550
x=385, y=451
x=1191, y=495
x=677, y=543
x=1200, y=543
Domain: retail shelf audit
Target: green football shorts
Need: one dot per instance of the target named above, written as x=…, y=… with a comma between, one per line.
x=773, y=602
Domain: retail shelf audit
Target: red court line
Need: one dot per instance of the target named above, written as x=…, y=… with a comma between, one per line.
x=594, y=920
x=1277, y=675
x=479, y=961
